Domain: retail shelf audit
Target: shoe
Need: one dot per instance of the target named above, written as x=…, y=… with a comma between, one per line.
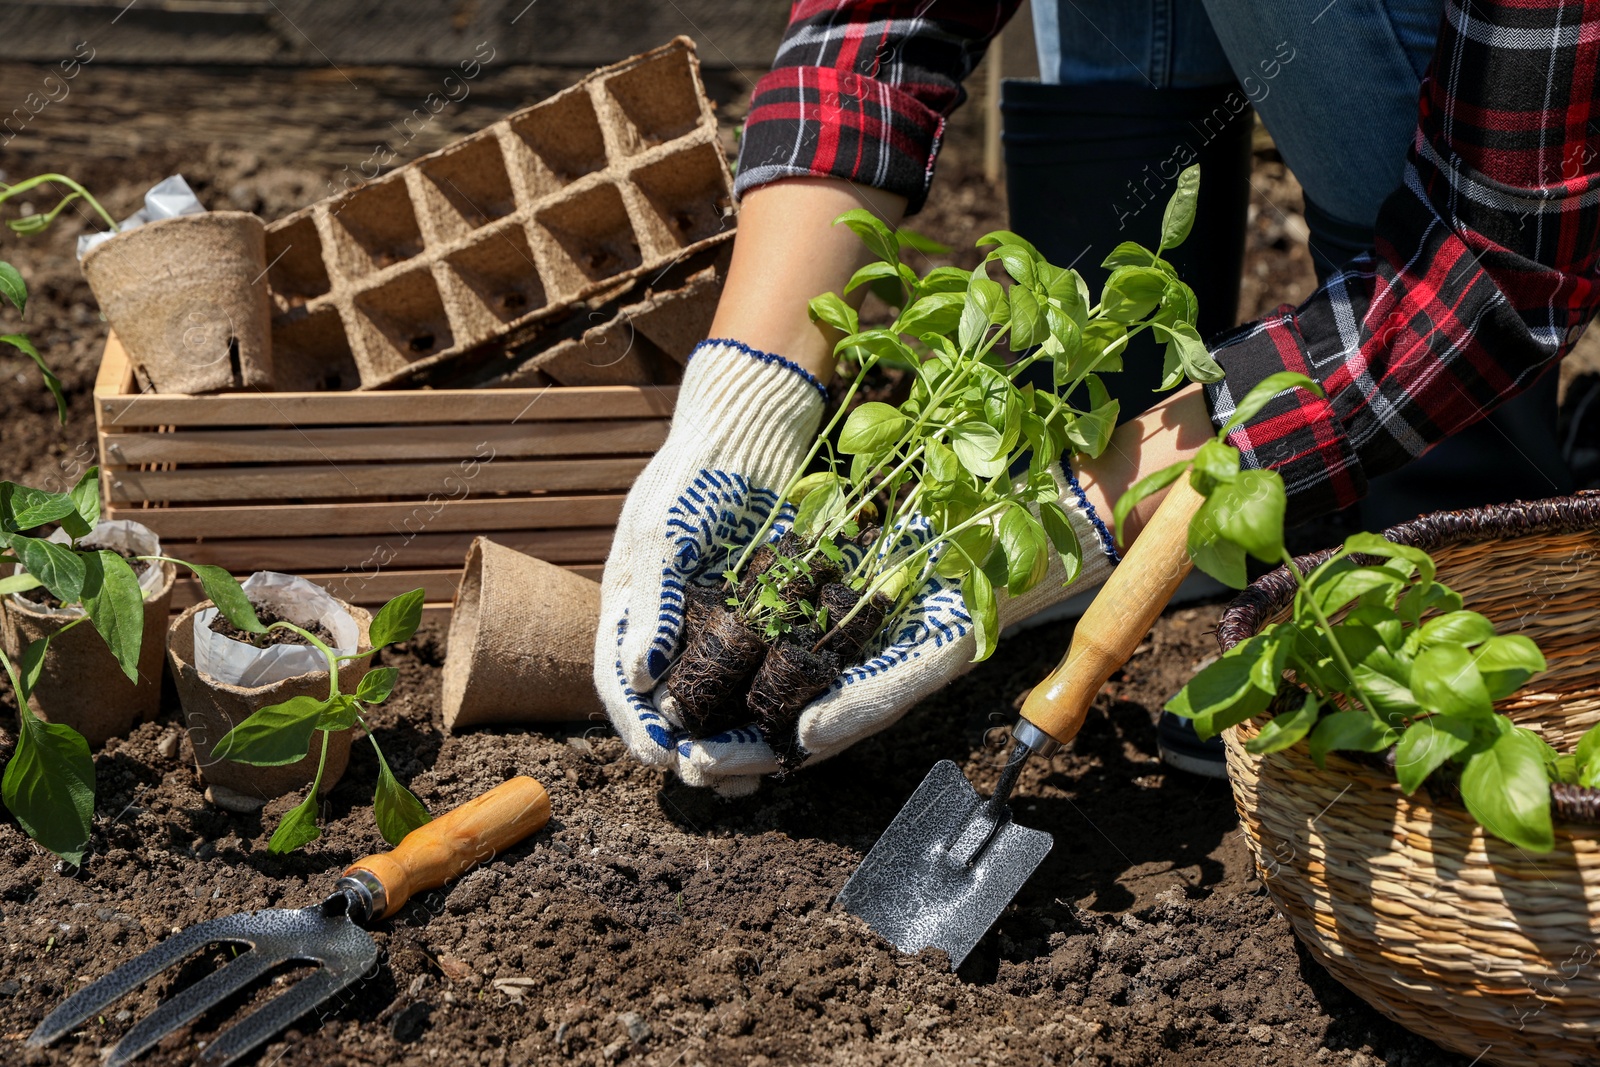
x=1182, y=748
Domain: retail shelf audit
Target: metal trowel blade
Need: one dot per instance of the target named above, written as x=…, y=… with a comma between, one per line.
x=945, y=869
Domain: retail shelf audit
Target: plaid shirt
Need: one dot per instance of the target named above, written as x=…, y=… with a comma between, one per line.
x=1484, y=271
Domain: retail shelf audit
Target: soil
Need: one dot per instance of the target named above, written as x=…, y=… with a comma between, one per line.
x=267, y=616
x=652, y=923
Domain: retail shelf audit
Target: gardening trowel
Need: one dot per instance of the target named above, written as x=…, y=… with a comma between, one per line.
x=951, y=860
x=325, y=933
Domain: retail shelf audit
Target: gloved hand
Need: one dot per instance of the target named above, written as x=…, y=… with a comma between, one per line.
x=932, y=645
x=743, y=423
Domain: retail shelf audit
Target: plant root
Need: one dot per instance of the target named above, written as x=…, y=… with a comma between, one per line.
x=847, y=642
x=709, y=679
x=791, y=676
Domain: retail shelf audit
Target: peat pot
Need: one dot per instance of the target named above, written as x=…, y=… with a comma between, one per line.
x=81, y=684
x=1472, y=943
x=212, y=708
x=188, y=298
x=521, y=642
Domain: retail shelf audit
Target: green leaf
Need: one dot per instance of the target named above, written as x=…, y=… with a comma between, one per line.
x=340, y=713
x=1216, y=463
x=86, y=506
x=1006, y=237
x=32, y=664
x=1224, y=693
x=1247, y=512
x=1285, y=730
x=877, y=270
x=114, y=602
x=274, y=736
x=937, y=313
x=1129, y=254
x=1144, y=487
x=1507, y=661
x=1445, y=679
x=1019, y=263
x=1371, y=544
x=870, y=427
x=1506, y=788
x=978, y=446
x=23, y=508
x=18, y=583
x=1131, y=293
x=942, y=463
x=398, y=619
x=225, y=592
x=810, y=484
x=1065, y=540
x=1420, y=599
x=13, y=288
x=49, y=786
x=1265, y=390
x=874, y=233
x=1349, y=730
x=1346, y=580
x=964, y=551
x=377, y=684
x=58, y=568
x=298, y=827
x=1458, y=627
x=985, y=306
x=1184, y=344
x=921, y=242
x=1090, y=433
x=1425, y=747
x=51, y=382
x=1028, y=325
x=978, y=594
x=831, y=309
x=1178, y=219
x=1026, y=548
x=1587, y=757
x=395, y=810
x=821, y=508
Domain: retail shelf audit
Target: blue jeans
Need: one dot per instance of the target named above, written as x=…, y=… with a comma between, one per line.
x=1335, y=82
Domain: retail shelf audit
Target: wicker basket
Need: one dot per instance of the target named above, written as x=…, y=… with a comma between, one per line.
x=1485, y=949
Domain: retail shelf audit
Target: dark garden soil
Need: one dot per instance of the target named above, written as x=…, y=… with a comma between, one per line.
x=266, y=617
x=652, y=923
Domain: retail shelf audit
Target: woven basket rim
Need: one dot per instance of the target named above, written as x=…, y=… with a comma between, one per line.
x=1247, y=612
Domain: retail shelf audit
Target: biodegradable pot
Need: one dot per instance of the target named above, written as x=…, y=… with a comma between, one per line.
x=212, y=708
x=82, y=686
x=521, y=643
x=188, y=298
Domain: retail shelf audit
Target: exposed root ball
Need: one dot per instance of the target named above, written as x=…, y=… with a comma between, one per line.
x=708, y=681
x=848, y=641
x=791, y=677
x=762, y=559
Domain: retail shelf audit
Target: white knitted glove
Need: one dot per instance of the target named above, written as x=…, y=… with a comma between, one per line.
x=932, y=645
x=743, y=423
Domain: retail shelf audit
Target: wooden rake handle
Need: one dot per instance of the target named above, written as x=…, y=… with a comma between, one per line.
x=433, y=854
x=1120, y=616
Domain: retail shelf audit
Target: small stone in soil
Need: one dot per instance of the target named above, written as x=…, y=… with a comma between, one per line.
x=221, y=625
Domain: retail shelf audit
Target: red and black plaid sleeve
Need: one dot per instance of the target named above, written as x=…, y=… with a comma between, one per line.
x=1484, y=269
x=860, y=90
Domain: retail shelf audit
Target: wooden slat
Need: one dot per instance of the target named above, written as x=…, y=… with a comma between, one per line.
x=333, y=445
x=373, y=554
x=116, y=407
x=365, y=590
x=412, y=480
x=401, y=519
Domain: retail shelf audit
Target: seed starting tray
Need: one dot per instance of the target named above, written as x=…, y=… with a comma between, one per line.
x=603, y=184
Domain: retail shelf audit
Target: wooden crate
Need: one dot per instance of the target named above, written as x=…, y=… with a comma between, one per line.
x=374, y=493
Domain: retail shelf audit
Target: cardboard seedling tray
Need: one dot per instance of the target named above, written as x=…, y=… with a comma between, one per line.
x=515, y=227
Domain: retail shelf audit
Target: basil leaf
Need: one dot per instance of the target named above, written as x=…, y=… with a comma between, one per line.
x=871, y=427
x=1264, y=390
x=1457, y=627
x=829, y=308
x=1026, y=548
x=1064, y=539
x=1286, y=729
x=978, y=593
x=1350, y=730
x=1147, y=486
x=1507, y=661
x=86, y=504
x=1445, y=679
x=1178, y=218
x=23, y=508
x=1425, y=747
x=1506, y=788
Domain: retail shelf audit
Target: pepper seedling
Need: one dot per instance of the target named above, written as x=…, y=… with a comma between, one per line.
x=1381, y=652
x=49, y=779
x=281, y=734
x=12, y=286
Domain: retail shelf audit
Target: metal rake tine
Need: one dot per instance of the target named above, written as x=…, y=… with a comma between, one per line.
x=274, y=1015
x=186, y=1004
x=125, y=979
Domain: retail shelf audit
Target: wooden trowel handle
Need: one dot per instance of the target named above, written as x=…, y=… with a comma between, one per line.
x=1121, y=614
x=433, y=854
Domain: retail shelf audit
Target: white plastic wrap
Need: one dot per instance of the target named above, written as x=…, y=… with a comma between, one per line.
x=167, y=199
x=123, y=535
x=302, y=603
